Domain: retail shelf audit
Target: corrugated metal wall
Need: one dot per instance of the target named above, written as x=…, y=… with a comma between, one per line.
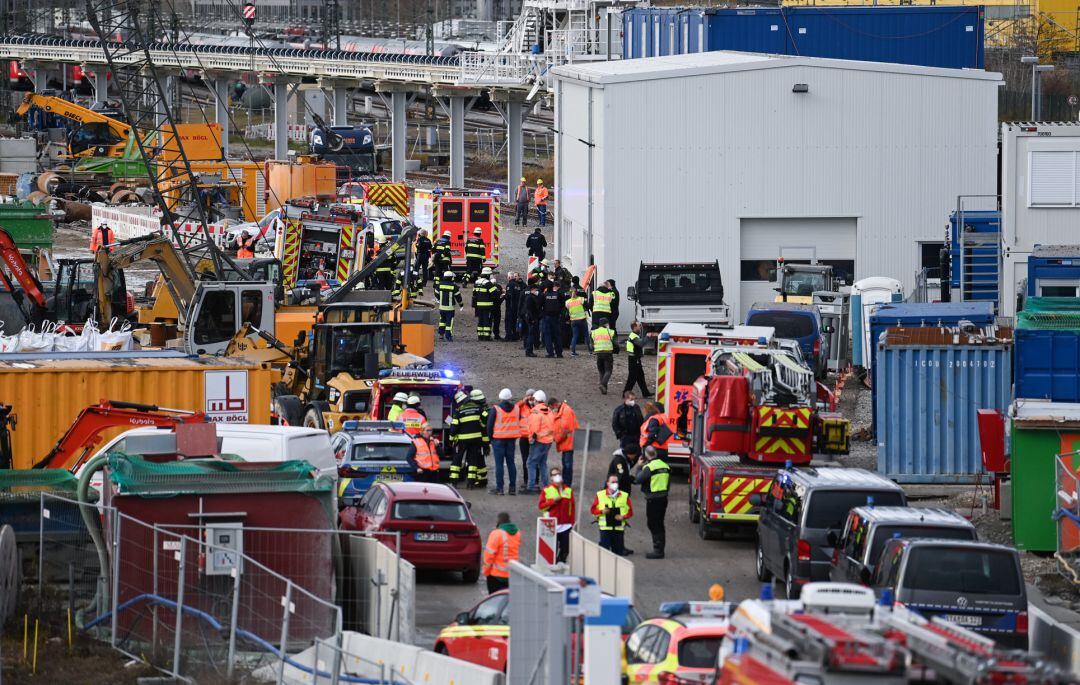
x=941, y=36
x=926, y=412
x=679, y=163
x=49, y=395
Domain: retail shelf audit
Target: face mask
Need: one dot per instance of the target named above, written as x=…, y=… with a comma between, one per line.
x=556, y=478
x=630, y=403
x=613, y=487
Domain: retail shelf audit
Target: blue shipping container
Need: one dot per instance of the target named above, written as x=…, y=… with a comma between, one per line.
x=1048, y=365
x=934, y=36
x=1053, y=271
x=919, y=315
x=973, y=273
x=927, y=423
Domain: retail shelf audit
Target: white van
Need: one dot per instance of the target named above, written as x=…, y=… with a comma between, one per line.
x=257, y=444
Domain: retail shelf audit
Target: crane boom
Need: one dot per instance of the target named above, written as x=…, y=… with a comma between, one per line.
x=69, y=110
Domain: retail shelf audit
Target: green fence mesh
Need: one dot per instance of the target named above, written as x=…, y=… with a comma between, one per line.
x=25, y=480
x=1052, y=304
x=136, y=476
x=1048, y=320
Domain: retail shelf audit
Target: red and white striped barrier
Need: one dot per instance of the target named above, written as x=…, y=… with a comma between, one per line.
x=136, y=222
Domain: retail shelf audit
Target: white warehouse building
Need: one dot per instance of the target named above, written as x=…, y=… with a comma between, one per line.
x=745, y=158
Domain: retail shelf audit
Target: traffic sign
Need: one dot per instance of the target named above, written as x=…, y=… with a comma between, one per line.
x=583, y=600
x=249, y=12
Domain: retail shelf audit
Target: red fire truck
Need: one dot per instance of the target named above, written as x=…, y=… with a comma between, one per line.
x=461, y=212
x=319, y=244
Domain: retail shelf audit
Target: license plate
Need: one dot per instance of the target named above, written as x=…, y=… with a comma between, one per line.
x=431, y=537
x=963, y=619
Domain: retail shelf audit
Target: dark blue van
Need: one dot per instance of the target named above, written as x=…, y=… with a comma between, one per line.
x=799, y=322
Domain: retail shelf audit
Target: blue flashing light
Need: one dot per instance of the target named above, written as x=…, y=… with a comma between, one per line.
x=766, y=591
x=350, y=425
x=741, y=646
x=664, y=336
x=896, y=535
x=886, y=599
x=448, y=373
x=496, y=192
x=674, y=608
x=870, y=500
x=788, y=464
x=761, y=340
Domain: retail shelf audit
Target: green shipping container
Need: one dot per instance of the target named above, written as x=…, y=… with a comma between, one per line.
x=29, y=225
x=1040, y=431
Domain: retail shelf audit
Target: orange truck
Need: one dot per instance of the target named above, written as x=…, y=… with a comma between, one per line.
x=684, y=354
x=460, y=212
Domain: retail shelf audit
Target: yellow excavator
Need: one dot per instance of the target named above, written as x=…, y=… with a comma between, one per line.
x=100, y=135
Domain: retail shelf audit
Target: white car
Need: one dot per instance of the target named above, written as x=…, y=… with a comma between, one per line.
x=265, y=231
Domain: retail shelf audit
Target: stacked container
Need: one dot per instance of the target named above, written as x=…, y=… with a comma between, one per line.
x=931, y=382
x=1048, y=349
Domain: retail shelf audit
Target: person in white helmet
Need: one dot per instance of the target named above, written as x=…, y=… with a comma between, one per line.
x=504, y=427
x=397, y=406
x=541, y=437
x=449, y=295
x=482, y=306
x=468, y=428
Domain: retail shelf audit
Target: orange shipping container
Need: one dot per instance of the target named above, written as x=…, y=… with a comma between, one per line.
x=201, y=142
x=48, y=394
x=290, y=180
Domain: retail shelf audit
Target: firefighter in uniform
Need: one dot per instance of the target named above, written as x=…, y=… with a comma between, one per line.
x=482, y=304
x=653, y=476
x=612, y=509
x=468, y=428
x=449, y=294
x=475, y=254
x=423, y=455
x=415, y=285
x=441, y=257
x=635, y=372
x=384, y=273
x=413, y=417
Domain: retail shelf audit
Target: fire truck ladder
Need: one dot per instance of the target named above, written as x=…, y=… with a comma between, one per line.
x=829, y=644
x=144, y=93
x=962, y=657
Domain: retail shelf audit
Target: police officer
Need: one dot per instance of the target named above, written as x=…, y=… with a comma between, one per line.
x=603, y=344
x=475, y=254
x=653, y=476
x=515, y=290
x=468, y=429
x=449, y=294
x=601, y=307
x=482, y=305
x=552, y=306
x=635, y=372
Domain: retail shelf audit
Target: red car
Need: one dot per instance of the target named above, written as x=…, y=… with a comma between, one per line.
x=481, y=634
x=437, y=530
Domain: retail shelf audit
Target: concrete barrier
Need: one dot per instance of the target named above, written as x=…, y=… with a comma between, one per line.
x=614, y=574
x=436, y=669
x=389, y=608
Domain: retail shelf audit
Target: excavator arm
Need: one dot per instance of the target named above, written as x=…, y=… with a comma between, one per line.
x=85, y=433
x=69, y=110
x=156, y=248
x=20, y=270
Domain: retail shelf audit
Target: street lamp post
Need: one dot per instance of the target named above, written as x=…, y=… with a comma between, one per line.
x=1036, y=84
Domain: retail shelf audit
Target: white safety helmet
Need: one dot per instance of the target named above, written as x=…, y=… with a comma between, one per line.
x=414, y=400
x=478, y=231
x=540, y=396
x=401, y=397
x=486, y=271
x=529, y=392
x=546, y=262
x=448, y=274
x=446, y=234
x=477, y=394
x=505, y=394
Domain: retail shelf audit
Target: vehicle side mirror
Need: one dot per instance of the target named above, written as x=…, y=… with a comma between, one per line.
x=865, y=576
x=631, y=293
x=832, y=539
x=756, y=499
x=462, y=618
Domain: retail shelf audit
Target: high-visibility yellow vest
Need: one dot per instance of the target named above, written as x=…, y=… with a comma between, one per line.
x=576, y=305
x=602, y=302
x=601, y=340
x=620, y=502
x=631, y=341
x=660, y=476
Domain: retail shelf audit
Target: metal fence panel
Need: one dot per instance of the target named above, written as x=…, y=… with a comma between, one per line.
x=614, y=574
x=539, y=633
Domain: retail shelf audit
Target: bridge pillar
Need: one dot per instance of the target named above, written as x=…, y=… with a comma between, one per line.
x=401, y=95
x=99, y=78
x=341, y=106
x=281, y=118
x=456, y=103
x=511, y=105
x=221, y=111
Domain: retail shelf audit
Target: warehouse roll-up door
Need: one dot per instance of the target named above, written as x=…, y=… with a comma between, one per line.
x=810, y=241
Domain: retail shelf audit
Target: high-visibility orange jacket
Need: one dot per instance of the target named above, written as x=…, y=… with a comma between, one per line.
x=502, y=547
x=541, y=195
x=96, y=241
x=541, y=424
x=565, y=424
x=524, y=410
x=660, y=425
x=413, y=420
x=506, y=424
x=427, y=454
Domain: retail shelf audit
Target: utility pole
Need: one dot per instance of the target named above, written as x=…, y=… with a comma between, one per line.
x=1036, y=84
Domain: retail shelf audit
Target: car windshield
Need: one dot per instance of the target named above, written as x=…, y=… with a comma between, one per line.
x=421, y=510
x=885, y=533
x=379, y=451
x=699, y=652
x=392, y=227
x=683, y=280
x=963, y=570
x=829, y=508
x=787, y=324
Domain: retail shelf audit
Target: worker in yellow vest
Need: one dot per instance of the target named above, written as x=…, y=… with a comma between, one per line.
x=601, y=303
x=612, y=510
x=397, y=407
x=579, y=320
x=603, y=344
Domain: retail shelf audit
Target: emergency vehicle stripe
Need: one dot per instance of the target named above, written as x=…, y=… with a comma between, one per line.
x=388, y=195
x=737, y=501
x=291, y=259
x=493, y=259
x=344, y=265
x=475, y=631
x=770, y=445
x=661, y=373
x=776, y=417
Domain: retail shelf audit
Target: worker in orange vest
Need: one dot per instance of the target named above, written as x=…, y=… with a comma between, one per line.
x=655, y=429
x=245, y=245
x=541, y=437
x=524, y=408
x=503, y=545
x=540, y=197
x=423, y=455
x=102, y=236
x=504, y=428
x=565, y=424
x=413, y=417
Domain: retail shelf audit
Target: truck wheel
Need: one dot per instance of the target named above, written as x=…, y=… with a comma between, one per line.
x=313, y=418
x=705, y=530
x=759, y=564
x=470, y=575
x=695, y=514
x=288, y=409
x=791, y=589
